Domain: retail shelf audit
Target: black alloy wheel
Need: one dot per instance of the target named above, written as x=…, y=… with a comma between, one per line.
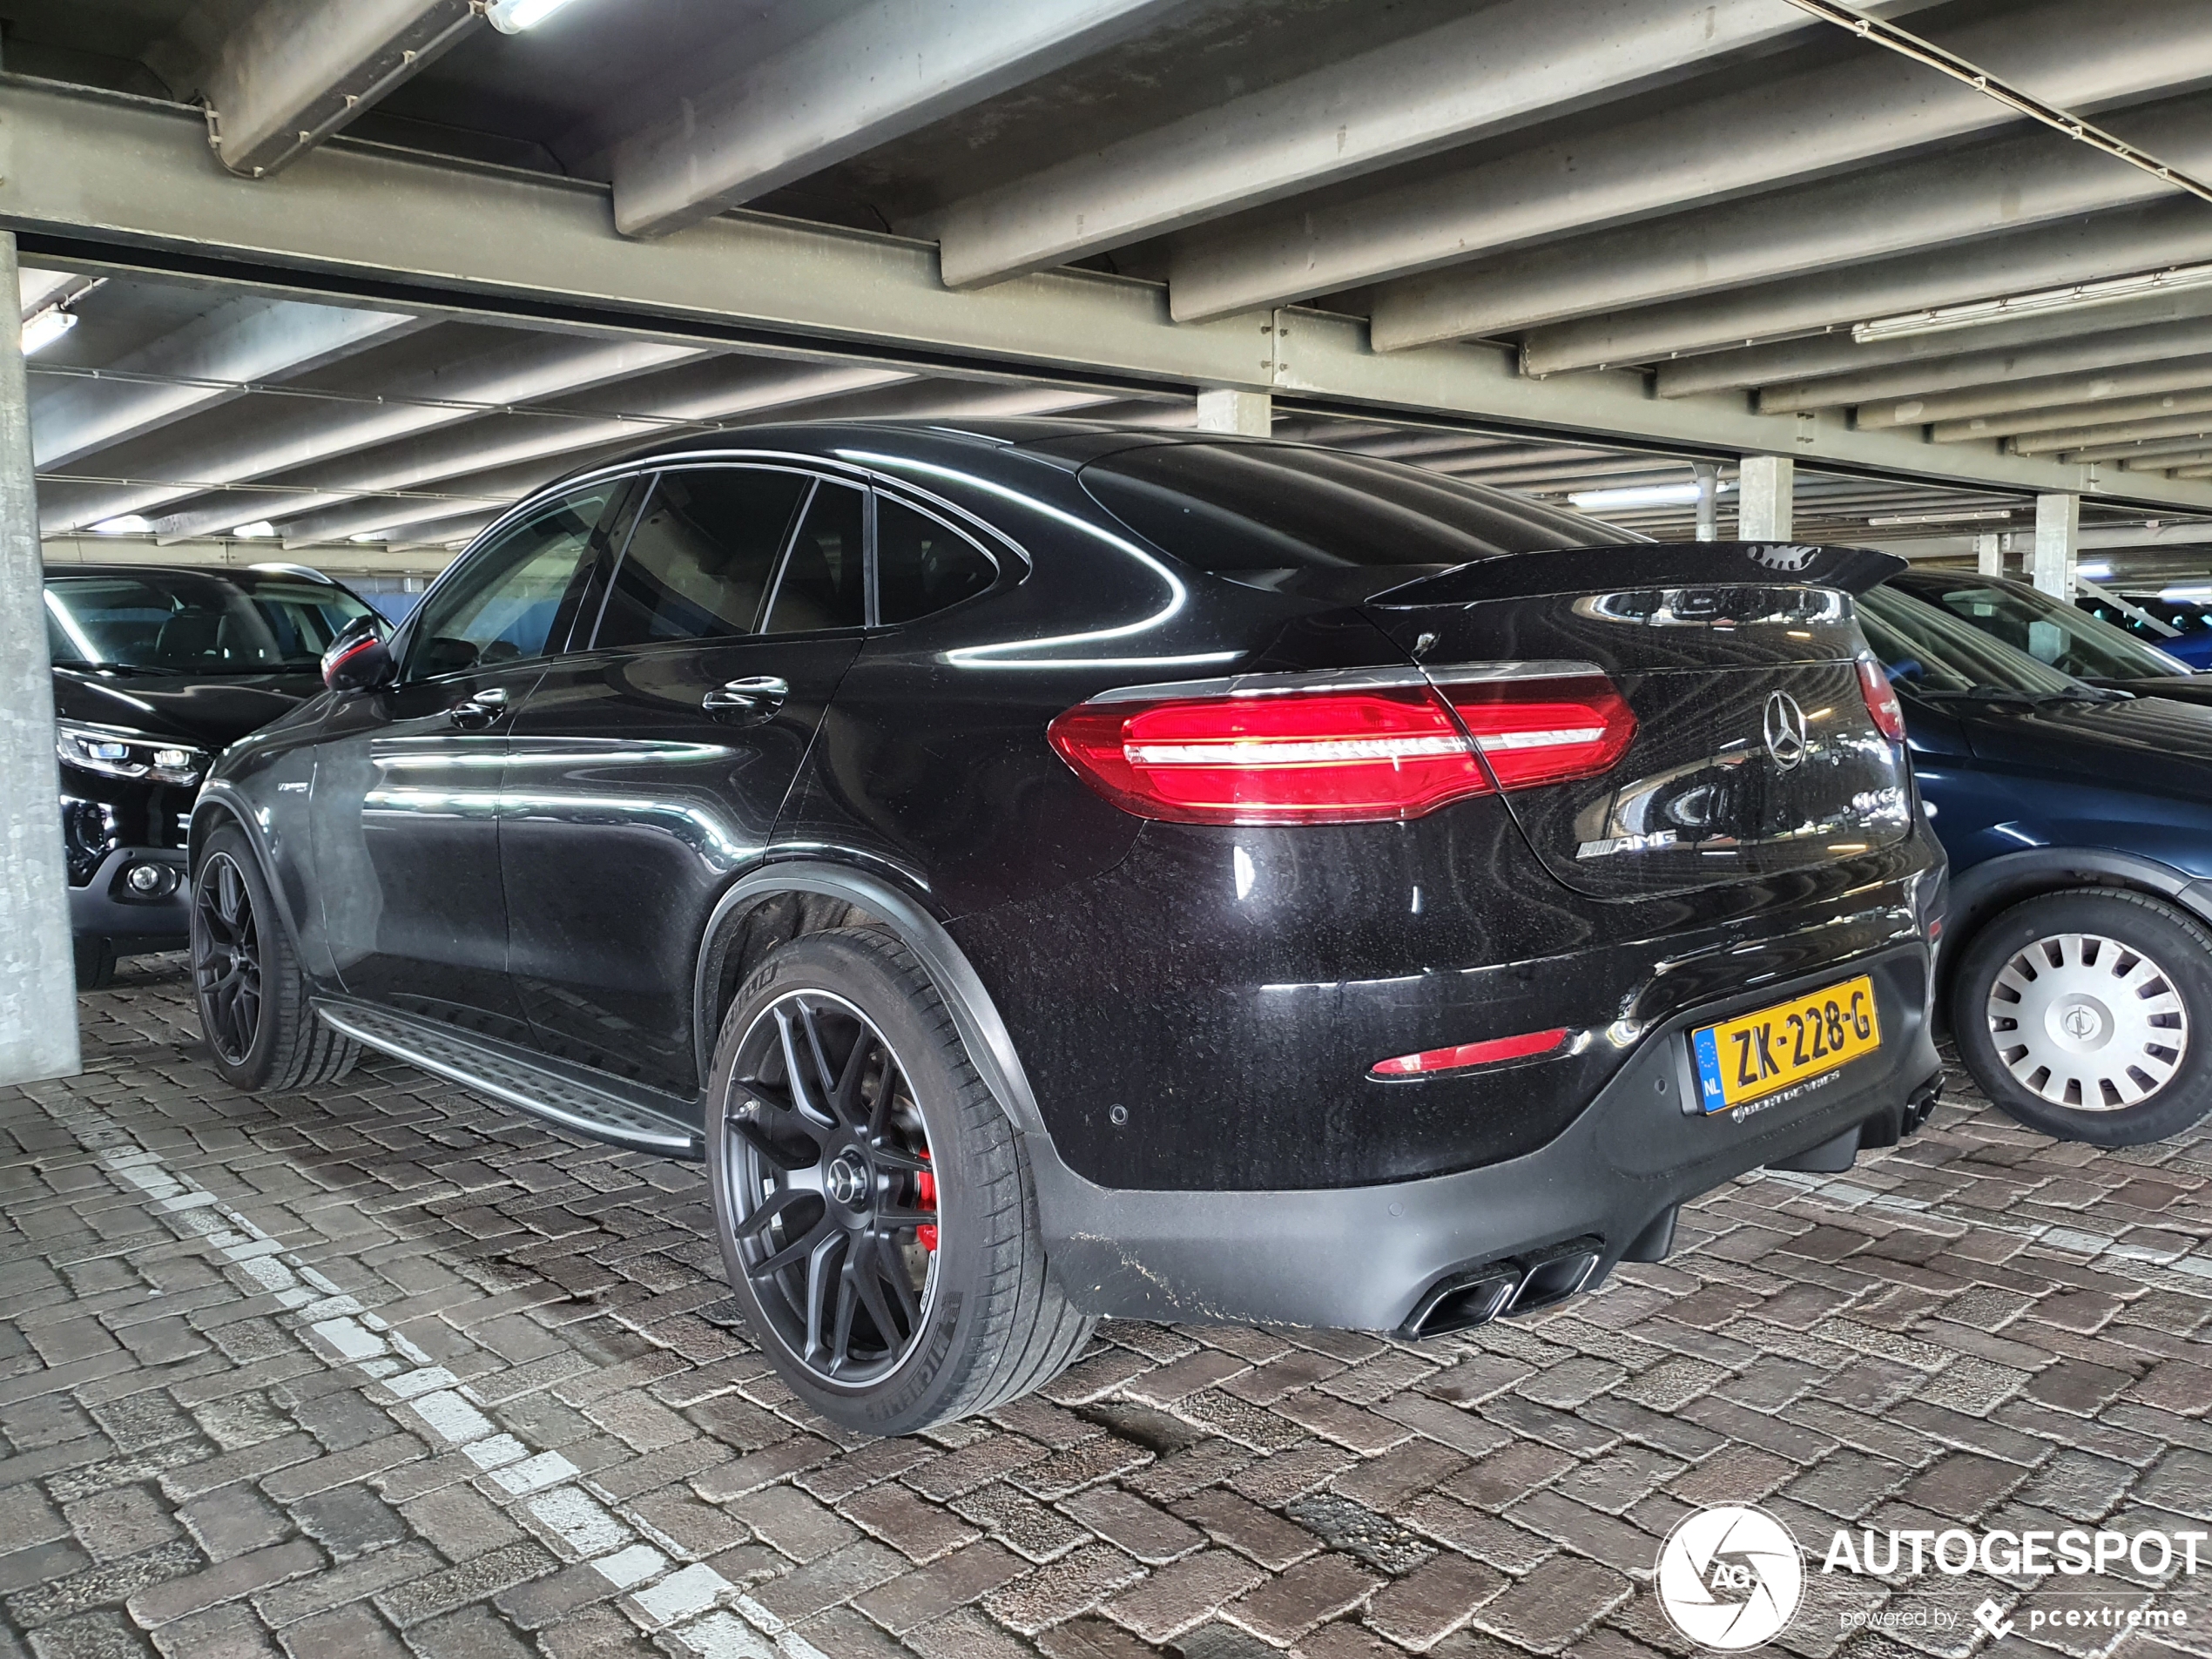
x=829, y=1167
x=226, y=959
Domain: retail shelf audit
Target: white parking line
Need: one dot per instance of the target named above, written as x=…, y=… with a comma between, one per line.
x=689, y=1601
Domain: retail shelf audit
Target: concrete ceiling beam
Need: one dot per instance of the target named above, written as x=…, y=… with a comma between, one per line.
x=1953, y=196
x=2120, y=243
x=1845, y=114
x=291, y=72
x=874, y=74
x=1499, y=68
x=208, y=361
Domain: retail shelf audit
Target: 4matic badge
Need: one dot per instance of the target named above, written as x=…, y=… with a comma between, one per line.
x=1730, y=1577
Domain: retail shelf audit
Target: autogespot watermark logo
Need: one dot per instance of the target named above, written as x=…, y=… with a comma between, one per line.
x=1730, y=1577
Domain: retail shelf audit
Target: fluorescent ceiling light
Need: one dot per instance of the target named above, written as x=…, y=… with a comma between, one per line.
x=42, y=329
x=512, y=16
x=2095, y=570
x=128, y=524
x=368, y=535
x=260, y=529
x=1640, y=495
x=2185, y=593
x=1938, y=319
x=1969, y=517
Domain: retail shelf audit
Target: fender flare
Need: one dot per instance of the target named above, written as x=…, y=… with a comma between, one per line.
x=1981, y=890
x=218, y=800
x=989, y=1044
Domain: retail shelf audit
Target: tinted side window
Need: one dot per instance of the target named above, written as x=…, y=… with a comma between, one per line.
x=698, y=563
x=824, y=583
x=921, y=566
x=514, y=594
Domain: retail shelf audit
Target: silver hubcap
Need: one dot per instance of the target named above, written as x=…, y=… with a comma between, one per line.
x=2087, y=1023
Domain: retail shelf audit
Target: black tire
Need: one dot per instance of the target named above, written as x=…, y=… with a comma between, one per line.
x=253, y=1000
x=989, y=1323
x=2155, y=963
x=95, y=962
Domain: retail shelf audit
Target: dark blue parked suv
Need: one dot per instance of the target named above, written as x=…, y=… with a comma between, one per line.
x=2077, y=966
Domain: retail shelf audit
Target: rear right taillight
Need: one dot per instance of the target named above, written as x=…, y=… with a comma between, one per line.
x=1319, y=757
x=1881, y=699
x=1337, y=749
x=1545, y=730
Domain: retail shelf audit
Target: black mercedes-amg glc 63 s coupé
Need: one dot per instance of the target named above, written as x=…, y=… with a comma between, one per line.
x=1050, y=872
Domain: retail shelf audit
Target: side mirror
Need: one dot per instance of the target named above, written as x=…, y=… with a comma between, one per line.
x=358, y=659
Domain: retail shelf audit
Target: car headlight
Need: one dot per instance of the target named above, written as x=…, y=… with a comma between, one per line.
x=118, y=753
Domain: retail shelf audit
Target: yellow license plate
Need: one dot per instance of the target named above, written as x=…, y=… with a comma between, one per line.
x=1755, y=1054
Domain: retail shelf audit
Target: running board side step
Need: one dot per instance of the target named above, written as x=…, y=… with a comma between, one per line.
x=569, y=1101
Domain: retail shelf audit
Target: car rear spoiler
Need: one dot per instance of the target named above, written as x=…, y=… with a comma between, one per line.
x=1646, y=564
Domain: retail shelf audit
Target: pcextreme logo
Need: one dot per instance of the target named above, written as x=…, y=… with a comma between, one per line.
x=1730, y=1577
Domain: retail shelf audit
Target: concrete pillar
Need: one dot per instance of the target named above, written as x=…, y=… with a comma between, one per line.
x=37, y=974
x=1224, y=409
x=1765, y=492
x=2058, y=539
x=1989, y=554
x=1709, y=506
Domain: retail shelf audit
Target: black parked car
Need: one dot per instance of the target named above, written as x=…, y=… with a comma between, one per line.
x=2079, y=645
x=2076, y=965
x=155, y=670
x=1050, y=872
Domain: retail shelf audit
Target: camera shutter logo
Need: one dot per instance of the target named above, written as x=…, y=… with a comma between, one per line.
x=1730, y=1577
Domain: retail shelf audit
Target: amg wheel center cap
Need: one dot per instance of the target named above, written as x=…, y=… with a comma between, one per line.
x=846, y=1180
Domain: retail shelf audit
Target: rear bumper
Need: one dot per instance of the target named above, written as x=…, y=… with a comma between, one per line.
x=1373, y=1257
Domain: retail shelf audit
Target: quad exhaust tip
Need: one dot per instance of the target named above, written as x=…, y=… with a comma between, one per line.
x=1541, y=1279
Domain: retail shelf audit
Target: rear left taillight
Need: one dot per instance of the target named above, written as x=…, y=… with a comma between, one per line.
x=1881, y=699
x=1295, y=749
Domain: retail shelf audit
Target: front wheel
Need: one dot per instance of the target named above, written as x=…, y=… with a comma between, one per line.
x=2087, y=1015
x=253, y=1000
x=874, y=1206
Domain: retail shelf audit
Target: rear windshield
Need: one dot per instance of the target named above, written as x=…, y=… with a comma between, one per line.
x=1320, y=523
x=2048, y=630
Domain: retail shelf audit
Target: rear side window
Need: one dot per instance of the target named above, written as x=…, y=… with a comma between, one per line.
x=824, y=582
x=699, y=563
x=1314, y=521
x=921, y=566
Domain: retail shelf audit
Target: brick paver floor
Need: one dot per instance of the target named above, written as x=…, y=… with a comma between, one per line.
x=390, y=1370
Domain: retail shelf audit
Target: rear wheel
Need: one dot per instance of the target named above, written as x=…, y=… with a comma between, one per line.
x=254, y=1006
x=2087, y=1015
x=874, y=1204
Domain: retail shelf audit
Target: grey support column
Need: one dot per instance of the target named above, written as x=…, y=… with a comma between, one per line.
x=1766, y=490
x=1709, y=510
x=1989, y=554
x=38, y=975
x=2058, y=539
x=1227, y=410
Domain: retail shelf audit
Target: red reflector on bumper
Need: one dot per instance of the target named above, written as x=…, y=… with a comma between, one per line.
x=1470, y=1054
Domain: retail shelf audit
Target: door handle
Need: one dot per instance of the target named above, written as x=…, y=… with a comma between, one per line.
x=479, y=708
x=747, y=700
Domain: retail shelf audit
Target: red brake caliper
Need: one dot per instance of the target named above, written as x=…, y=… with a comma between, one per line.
x=925, y=1235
